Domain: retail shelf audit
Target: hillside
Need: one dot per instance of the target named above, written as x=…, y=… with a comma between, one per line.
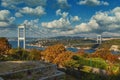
x=109, y=43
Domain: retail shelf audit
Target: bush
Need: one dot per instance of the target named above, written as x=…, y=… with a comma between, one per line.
x=81, y=61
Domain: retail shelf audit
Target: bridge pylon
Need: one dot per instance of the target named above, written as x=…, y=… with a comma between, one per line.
x=21, y=35
x=99, y=39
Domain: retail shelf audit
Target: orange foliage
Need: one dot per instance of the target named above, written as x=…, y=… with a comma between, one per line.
x=105, y=54
x=52, y=52
x=63, y=57
x=4, y=46
x=81, y=52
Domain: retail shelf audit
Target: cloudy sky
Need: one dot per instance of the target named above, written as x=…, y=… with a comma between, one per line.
x=48, y=18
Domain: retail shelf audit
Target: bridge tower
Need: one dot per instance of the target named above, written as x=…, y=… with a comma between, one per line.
x=21, y=35
x=99, y=39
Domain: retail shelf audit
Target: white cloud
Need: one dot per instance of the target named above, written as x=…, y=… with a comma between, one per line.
x=58, y=12
x=63, y=3
x=12, y=4
x=104, y=3
x=110, y=34
x=11, y=19
x=35, y=3
x=55, y=31
x=38, y=11
x=17, y=14
x=86, y=27
x=101, y=22
x=105, y=23
x=116, y=10
x=4, y=14
x=34, y=29
x=74, y=18
x=63, y=14
x=82, y=28
x=61, y=26
x=31, y=23
x=4, y=4
x=60, y=23
x=4, y=24
x=108, y=20
x=89, y=2
x=66, y=15
x=92, y=2
x=5, y=18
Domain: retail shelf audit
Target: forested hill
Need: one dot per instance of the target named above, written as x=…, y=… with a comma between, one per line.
x=109, y=43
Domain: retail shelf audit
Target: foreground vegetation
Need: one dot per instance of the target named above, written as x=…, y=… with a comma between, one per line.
x=79, y=63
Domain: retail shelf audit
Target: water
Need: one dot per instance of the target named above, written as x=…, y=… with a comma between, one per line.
x=72, y=49
x=14, y=45
x=76, y=50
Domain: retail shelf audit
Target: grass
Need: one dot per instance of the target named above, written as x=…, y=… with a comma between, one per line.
x=86, y=69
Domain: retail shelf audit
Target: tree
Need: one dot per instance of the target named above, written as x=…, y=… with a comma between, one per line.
x=62, y=58
x=34, y=54
x=19, y=54
x=4, y=47
x=81, y=52
x=106, y=54
x=52, y=52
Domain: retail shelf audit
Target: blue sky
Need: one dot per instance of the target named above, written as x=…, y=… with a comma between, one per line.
x=48, y=18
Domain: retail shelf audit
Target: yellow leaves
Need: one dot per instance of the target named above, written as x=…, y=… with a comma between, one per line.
x=4, y=46
x=105, y=54
x=57, y=54
x=53, y=51
x=63, y=57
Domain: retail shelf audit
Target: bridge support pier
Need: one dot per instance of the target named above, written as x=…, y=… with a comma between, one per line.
x=21, y=35
x=99, y=39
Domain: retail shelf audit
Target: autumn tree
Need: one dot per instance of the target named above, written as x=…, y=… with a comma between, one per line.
x=81, y=52
x=52, y=52
x=105, y=54
x=4, y=47
x=62, y=58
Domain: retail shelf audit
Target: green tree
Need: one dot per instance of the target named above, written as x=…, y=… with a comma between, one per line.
x=19, y=54
x=34, y=54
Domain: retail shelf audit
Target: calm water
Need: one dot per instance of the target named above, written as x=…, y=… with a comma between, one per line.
x=75, y=50
x=14, y=45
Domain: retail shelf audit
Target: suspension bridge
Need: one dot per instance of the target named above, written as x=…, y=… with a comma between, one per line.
x=23, y=32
